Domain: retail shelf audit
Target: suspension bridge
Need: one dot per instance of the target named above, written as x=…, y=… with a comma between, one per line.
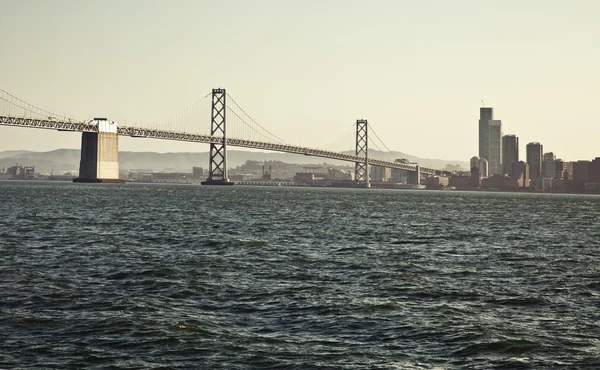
x=99, y=145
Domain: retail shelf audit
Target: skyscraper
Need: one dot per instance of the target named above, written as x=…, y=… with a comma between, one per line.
x=594, y=169
x=474, y=162
x=560, y=169
x=481, y=164
x=510, y=153
x=483, y=167
x=485, y=116
x=548, y=166
x=520, y=172
x=581, y=171
x=495, y=147
x=490, y=140
x=534, y=160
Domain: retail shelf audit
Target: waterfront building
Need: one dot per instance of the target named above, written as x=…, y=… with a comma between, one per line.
x=548, y=166
x=510, y=153
x=548, y=170
x=581, y=171
x=460, y=181
x=560, y=169
x=495, y=148
x=380, y=173
x=475, y=177
x=436, y=182
x=534, y=160
x=484, y=170
x=341, y=175
x=481, y=164
x=490, y=140
x=400, y=176
x=520, y=172
x=304, y=178
x=474, y=162
x=20, y=172
x=594, y=170
x=500, y=182
x=485, y=116
x=197, y=172
x=569, y=170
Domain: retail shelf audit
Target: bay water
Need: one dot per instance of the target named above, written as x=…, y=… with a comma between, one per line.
x=177, y=276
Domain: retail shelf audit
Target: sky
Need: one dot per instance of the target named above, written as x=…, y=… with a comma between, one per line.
x=306, y=70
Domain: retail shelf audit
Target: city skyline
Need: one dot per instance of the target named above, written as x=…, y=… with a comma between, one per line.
x=541, y=170
x=396, y=64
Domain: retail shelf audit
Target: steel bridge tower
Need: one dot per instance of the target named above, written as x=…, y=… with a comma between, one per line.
x=217, y=166
x=362, y=150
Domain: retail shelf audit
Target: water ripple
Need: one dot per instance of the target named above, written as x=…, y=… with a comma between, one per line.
x=136, y=277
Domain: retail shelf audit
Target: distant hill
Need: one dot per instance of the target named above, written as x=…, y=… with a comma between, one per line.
x=10, y=153
x=62, y=160
x=56, y=161
x=438, y=164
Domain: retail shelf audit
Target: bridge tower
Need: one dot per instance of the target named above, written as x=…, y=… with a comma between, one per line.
x=100, y=154
x=362, y=150
x=217, y=166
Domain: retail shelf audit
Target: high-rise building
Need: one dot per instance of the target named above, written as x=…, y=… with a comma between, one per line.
x=510, y=153
x=534, y=160
x=481, y=164
x=490, y=140
x=474, y=163
x=520, y=172
x=569, y=170
x=485, y=116
x=595, y=170
x=581, y=171
x=560, y=169
x=494, y=157
x=483, y=167
x=380, y=173
x=475, y=177
x=548, y=166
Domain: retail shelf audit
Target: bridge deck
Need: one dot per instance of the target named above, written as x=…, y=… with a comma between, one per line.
x=53, y=124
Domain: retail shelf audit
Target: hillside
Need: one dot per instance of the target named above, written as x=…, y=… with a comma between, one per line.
x=62, y=160
x=10, y=153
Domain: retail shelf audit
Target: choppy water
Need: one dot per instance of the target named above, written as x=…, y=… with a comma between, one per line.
x=126, y=276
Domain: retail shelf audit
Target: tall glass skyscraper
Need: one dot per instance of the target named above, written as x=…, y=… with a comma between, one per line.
x=495, y=148
x=490, y=140
x=485, y=116
x=534, y=160
x=510, y=153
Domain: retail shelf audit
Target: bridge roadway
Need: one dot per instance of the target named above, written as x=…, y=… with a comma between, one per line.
x=62, y=125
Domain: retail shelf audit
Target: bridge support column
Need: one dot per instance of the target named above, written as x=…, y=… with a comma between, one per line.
x=217, y=166
x=100, y=154
x=414, y=178
x=361, y=172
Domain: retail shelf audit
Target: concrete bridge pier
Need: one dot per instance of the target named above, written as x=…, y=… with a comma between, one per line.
x=100, y=154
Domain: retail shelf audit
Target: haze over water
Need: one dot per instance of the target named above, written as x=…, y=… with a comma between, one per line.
x=160, y=276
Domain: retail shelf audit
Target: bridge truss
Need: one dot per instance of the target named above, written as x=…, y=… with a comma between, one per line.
x=62, y=125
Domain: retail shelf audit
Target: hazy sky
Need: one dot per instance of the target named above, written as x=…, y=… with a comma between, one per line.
x=306, y=70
